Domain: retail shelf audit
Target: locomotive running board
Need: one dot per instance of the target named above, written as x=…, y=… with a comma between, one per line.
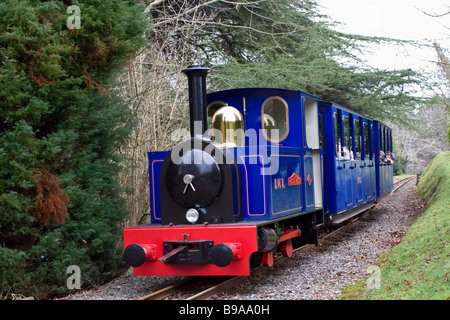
x=338, y=218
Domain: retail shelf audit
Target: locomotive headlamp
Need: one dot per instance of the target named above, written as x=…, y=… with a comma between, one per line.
x=192, y=215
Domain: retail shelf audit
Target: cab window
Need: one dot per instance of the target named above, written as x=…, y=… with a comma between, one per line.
x=274, y=119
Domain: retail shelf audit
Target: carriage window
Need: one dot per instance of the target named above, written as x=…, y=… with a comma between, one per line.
x=274, y=119
x=381, y=140
x=321, y=132
x=390, y=140
x=337, y=134
x=366, y=141
x=373, y=142
x=389, y=147
x=387, y=141
x=382, y=154
x=347, y=149
x=357, y=139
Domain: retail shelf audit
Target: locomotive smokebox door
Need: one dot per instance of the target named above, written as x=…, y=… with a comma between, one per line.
x=200, y=176
x=196, y=185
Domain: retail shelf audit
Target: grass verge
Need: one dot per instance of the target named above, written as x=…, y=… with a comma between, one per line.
x=419, y=267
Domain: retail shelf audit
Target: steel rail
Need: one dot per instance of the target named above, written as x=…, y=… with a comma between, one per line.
x=402, y=183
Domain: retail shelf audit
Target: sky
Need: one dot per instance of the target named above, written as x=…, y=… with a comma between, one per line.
x=400, y=19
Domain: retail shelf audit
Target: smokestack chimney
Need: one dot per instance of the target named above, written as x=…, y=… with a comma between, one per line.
x=197, y=98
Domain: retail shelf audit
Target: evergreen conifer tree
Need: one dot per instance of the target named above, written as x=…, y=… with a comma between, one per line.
x=60, y=128
x=289, y=44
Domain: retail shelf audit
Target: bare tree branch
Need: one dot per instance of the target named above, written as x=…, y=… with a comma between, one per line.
x=154, y=4
x=437, y=15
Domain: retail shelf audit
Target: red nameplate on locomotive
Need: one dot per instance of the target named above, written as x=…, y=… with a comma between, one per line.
x=294, y=180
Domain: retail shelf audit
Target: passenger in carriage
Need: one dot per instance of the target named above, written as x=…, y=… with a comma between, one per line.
x=382, y=156
x=392, y=156
x=344, y=154
x=389, y=159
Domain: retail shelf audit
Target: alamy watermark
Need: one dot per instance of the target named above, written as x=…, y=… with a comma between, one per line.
x=74, y=21
x=74, y=280
x=374, y=280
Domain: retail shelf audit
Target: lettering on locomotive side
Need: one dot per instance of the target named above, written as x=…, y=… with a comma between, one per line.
x=279, y=183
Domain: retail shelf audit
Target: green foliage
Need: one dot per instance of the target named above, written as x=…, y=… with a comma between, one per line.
x=60, y=128
x=434, y=183
x=288, y=44
x=400, y=165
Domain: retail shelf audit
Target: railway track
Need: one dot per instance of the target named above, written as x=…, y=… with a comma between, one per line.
x=401, y=183
x=179, y=289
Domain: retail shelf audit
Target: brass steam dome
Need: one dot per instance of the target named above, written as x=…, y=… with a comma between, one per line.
x=229, y=126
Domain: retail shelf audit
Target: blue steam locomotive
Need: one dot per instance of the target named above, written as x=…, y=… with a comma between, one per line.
x=263, y=171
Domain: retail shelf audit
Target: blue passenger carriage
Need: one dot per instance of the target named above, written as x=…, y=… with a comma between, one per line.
x=355, y=175
x=384, y=167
